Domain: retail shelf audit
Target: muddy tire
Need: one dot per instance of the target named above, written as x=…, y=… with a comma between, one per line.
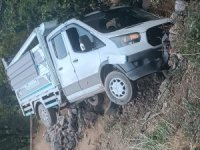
x=47, y=116
x=118, y=88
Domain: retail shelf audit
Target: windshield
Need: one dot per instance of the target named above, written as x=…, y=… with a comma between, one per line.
x=115, y=19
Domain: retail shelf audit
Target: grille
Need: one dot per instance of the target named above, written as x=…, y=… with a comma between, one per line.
x=155, y=34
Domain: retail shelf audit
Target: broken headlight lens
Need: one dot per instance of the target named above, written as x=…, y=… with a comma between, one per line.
x=127, y=39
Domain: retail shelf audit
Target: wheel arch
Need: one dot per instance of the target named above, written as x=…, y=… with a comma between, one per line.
x=106, y=68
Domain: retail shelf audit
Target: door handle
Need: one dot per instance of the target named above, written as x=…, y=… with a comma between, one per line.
x=61, y=68
x=75, y=60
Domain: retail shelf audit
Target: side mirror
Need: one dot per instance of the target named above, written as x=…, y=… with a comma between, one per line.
x=85, y=43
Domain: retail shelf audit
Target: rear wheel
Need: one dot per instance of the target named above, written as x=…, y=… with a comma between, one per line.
x=118, y=88
x=47, y=116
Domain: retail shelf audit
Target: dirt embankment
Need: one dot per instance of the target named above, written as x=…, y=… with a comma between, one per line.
x=107, y=132
x=117, y=130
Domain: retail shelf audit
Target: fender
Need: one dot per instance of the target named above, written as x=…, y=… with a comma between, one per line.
x=117, y=59
x=111, y=67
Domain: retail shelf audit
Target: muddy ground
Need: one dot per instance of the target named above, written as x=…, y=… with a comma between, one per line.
x=39, y=142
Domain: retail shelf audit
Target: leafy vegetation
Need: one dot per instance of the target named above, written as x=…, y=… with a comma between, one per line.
x=19, y=17
x=14, y=128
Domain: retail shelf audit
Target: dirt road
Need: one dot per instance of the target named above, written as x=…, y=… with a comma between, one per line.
x=38, y=140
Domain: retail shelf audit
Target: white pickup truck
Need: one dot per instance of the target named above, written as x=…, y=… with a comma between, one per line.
x=103, y=51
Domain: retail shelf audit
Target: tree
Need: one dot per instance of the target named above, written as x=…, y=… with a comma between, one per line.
x=13, y=128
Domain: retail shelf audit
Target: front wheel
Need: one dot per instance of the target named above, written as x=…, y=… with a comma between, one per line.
x=118, y=88
x=47, y=116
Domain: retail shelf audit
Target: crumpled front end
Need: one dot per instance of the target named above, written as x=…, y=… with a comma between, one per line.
x=147, y=62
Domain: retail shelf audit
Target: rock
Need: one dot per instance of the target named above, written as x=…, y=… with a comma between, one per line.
x=65, y=140
x=173, y=61
x=61, y=120
x=58, y=138
x=56, y=146
x=56, y=143
x=163, y=86
x=180, y=57
x=69, y=127
x=47, y=137
x=180, y=5
x=174, y=17
x=74, y=111
x=164, y=107
x=147, y=115
x=90, y=117
x=173, y=36
x=164, y=91
x=71, y=144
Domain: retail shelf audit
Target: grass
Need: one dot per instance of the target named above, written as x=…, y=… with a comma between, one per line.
x=163, y=133
x=193, y=107
x=189, y=42
x=178, y=73
x=157, y=139
x=191, y=126
x=185, y=115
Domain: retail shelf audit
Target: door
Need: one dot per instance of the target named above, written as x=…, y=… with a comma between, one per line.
x=85, y=61
x=64, y=68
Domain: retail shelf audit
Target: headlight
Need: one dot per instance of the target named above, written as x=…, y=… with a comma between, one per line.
x=127, y=39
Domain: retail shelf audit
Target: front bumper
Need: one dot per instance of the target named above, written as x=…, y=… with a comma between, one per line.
x=145, y=63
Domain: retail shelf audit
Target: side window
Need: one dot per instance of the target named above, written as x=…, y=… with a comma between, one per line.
x=98, y=43
x=59, y=47
x=74, y=35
